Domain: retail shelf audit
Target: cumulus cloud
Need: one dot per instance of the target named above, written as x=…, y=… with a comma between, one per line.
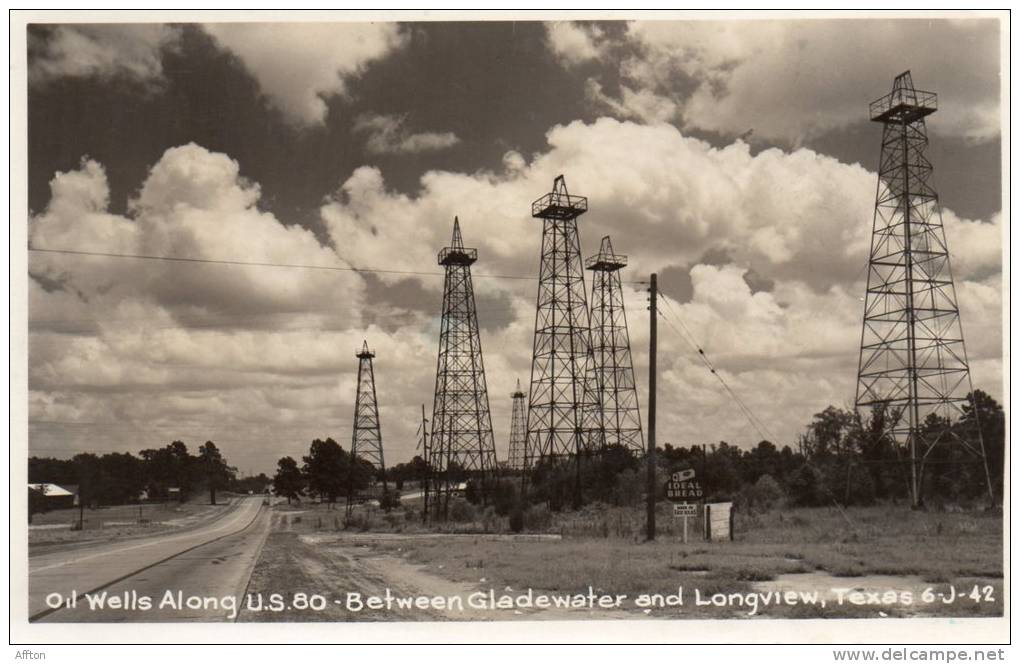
x=133, y=51
x=574, y=43
x=172, y=348
x=194, y=203
x=320, y=59
x=644, y=105
x=784, y=213
x=388, y=135
x=790, y=81
x=785, y=353
x=263, y=359
x=795, y=222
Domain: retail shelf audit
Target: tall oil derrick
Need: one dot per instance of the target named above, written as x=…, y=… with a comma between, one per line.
x=611, y=377
x=461, y=425
x=562, y=414
x=913, y=361
x=518, y=431
x=366, y=442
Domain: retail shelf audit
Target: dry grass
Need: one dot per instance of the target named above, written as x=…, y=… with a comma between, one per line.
x=120, y=521
x=883, y=540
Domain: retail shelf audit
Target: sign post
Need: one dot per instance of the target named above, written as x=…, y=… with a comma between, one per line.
x=684, y=511
x=680, y=488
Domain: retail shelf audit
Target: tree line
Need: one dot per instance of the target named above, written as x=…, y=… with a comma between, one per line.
x=121, y=477
x=840, y=459
x=327, y=472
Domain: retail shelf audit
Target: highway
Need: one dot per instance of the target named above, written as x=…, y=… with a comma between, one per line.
x=209, y=562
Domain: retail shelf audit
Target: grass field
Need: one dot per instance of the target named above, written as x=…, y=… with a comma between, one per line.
x=880, y=548
x=119, y=521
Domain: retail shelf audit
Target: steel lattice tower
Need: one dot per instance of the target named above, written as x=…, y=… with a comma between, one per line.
x=612, y=374
x=366, y=442
x=562, y=414
x=461, y=425
x=913, y=362
x=518, y=431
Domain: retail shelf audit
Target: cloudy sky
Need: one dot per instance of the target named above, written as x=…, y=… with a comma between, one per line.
x=733, y=158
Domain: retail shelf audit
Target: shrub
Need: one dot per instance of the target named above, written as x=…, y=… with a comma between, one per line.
x=517, y=519
x=861, y=487
x=357, y=521
x=538, y=518
x=472, y=492
x=504, y=496
x=805, y=486
x=490, y=521
x=389, y=500
x=628, y=488
x=761, y=496
x=461, y=511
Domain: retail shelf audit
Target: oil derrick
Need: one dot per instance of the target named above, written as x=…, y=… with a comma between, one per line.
x=913, y=364
x=518, y=431
x=562, y=413
x=611, y=376
x=366, y=442
x=461, y=425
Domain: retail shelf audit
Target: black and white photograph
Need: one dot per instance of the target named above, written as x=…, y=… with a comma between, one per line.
x=403, y=326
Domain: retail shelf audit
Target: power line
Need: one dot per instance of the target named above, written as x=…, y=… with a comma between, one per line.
x=302, y=266
x=754, y=420
x=686, y=335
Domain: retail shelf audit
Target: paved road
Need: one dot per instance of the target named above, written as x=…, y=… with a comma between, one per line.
x=210, y=561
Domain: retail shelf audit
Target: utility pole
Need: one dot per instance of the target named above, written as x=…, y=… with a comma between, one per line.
x=650, y=457
x=426, y=451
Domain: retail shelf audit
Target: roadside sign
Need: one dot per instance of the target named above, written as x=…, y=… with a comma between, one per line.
x=683, y=475
x=719, y=522
x=684, y=490
x=685, y=509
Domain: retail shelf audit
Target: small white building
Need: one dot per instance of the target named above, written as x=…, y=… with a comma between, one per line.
x=56, y=496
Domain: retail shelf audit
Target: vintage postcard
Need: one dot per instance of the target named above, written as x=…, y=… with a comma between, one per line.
x=453, y=327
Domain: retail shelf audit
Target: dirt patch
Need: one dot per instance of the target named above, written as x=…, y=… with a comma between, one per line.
x=369, y=538
x=291, y=567
x=334, y=568
x=816, y=553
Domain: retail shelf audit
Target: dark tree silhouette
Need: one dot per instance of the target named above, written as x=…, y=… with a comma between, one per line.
x=214, y=469
x=288, y=482
x=328, y=471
